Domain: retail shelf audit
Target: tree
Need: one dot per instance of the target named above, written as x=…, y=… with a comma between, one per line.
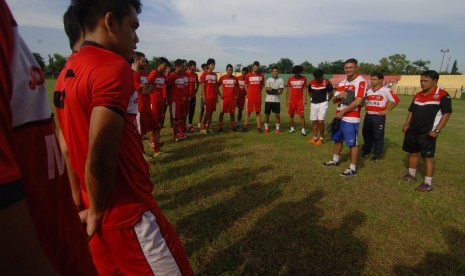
x=384, y=66
x=455, y=69
x=368, y=68
x=40, y=60
x=308, y=67
x=421, y=65
x=238, y=67
x=398, y=64
x=55, y=64
x=285, y=65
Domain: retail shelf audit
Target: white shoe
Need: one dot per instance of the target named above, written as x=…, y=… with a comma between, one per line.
x=292, y=130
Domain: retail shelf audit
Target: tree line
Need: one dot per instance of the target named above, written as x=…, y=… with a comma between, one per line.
x=396, y=64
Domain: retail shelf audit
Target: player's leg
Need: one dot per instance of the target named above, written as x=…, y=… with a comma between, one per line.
x=367, y=133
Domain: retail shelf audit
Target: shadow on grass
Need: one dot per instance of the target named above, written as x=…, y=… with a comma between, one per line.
x=288, y=240
x=451, y=263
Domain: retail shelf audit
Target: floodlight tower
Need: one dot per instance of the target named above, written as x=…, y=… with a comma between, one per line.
x=444, y=53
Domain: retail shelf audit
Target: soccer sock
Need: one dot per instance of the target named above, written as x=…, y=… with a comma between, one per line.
x=199, y=125
x=336, y=157
x=246, y=125
x=353, y=167
x=315, y=138
x=321, y=137
x=277, y=126
x=428, y=180
x=412, y=172
x=266, y=125
x=292, y=128
x=303, y=131
x=220, y=124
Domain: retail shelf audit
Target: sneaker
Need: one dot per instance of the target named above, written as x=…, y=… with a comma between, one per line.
x=424, y=188
x=203, y=131
x=220, y=130
x=259, y=130
x=311, y=141
x=319, y=142
x=365, y=154
x=278, y=131
x=375, y=157
x=244, y=129
x=210, y=131
x=233, y=130
x=267, y=130
x=349, y=172
x=292, y=130
x=331, y=163
x=409, y=177
x=304, y=133
x=199, y=125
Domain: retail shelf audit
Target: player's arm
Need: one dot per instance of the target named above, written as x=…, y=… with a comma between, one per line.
x=305, y=93
x=196, y=86
x=389, y=108
x=329, y=90
x=105, y=132
x=407, y=122
x=72, y=175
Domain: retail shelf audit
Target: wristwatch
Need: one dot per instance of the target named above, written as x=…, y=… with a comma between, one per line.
x=437, y=131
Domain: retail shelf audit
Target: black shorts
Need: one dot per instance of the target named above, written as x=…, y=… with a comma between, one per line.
x=272, y=107
x=422, y=143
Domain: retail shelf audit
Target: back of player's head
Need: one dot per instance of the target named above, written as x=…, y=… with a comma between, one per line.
x=163, y=60
x=89, y=12
x=245, y=69
x=210, y=61
x=229, y=66
x=204, y=66
x=178, y=62
x=351, y=60
x=256, y=63
x=318, y=73
x=72, y=27
x=297, y=69
x=430, y=74
x=191, y=63
x=379, y=75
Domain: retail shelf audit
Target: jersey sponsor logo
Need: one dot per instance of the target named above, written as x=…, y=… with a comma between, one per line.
x=210, y=78
x=144, y=80
x=229, y=83
x=37, y=77
x=55, y=159
x=255, y=79
x=297, y=83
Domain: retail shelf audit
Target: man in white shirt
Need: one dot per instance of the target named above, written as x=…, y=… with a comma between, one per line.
x=274, y=87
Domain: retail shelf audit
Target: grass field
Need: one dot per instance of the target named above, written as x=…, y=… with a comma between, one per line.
x=256, y=204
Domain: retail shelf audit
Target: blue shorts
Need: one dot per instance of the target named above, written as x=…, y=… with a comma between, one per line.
x=347, y=132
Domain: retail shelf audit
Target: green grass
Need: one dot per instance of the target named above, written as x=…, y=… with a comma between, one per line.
x=259, y=204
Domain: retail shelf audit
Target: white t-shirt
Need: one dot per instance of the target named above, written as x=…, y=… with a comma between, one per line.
x=277, y=83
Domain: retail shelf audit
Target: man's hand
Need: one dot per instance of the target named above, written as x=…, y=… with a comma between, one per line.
x=433, y=134
x=383, y=113
x=339, y=115
x=91, y=222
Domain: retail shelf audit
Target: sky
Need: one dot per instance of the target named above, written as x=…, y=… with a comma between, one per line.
x=240, y=31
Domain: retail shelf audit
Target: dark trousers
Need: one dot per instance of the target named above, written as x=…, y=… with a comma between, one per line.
x=373, y=133
x=192, y=109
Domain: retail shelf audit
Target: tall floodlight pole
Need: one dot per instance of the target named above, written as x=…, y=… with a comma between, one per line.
x=444, y=53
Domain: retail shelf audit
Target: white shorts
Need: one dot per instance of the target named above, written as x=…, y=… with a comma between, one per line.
x=318, y=111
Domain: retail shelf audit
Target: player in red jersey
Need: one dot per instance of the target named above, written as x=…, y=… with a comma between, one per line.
x=230, y=87
x=241, y=96
x=158, y=80
x=128, y=232
x=209, y=88
x=176, y=93
x=168, y=71
x=193, y=87
x=40, y=229
x=295, y=93
x=202, y=104
x=255, y=82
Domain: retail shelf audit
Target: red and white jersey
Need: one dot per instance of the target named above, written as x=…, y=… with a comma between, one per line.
x=30, y=154
x=229, y=85
x=296, y=88
x=255, y=83
x=144, y=100
x=376, y=101
x=355, y=87
x=158, y=81
x=96, y=78
x=210, y=80
x=193, y=82
x=177, y=84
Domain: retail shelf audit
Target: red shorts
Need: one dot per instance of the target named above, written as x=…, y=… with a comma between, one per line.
x=151, y=247
x=296, y=107
x=228, y=106
x=158, y=110
x=146, y=122
x=210, y=106
x=254, y=104
x=177, y=110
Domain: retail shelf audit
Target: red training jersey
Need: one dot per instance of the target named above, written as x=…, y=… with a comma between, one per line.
x=229, y=85
x=193, y=82
x=144, y=100
x=176, y=87
x=255, y=83
x=158, y=81
x=296, y=88
x=209, y=79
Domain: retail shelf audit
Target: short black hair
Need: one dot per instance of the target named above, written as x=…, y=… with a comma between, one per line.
x=138, y=55
x=229, y=66
x=191, y=62
x=203, y=65
x=245, y=69
x=297, y=69
x=431, y=74
x=178, y=62
x=351, y=60
x=274, y=67
x=72, y=27
x=89, y=12
x=256, y=63
x=210, y=61
x=318, y=73
x=379, y=75
x=163, y=60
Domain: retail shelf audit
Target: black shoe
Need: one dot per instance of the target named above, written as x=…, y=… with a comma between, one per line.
x=220, y=130
x=259, y=130
x=365, y=154
x=244, y=129
x=375, y=157
x=233, y=130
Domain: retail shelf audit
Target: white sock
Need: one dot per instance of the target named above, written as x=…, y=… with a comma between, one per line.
x=321, y=137
x=292, y=128
x=315, y=138
x=428, y=180
x=412, y=172
x=199, y=125
x=336, y=157
x=277, y=126
x=303, y=131
x=353, y=167
x=266, y=126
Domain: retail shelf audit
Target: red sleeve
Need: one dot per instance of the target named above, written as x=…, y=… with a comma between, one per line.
x=203, y=78
x=246, y=80
x=110, y=90
x=152, y=76
x=136, y=79
x=288, y=82
x=361, y=89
